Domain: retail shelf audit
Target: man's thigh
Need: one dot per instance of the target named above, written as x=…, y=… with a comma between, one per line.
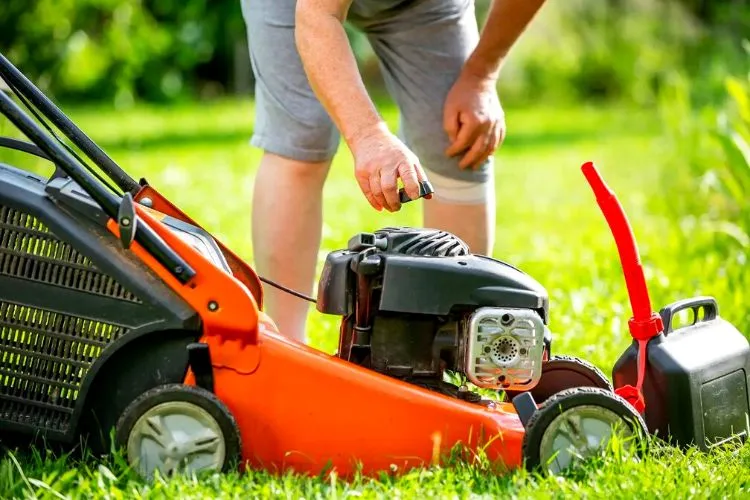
x=290, y=121
x=422, y=51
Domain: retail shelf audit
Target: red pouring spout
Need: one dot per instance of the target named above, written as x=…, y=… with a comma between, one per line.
x=645, y=323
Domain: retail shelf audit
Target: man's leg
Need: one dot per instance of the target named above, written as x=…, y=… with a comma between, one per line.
x=468, y=212
x=299, y=140
x=422, y=50
x=287, y=220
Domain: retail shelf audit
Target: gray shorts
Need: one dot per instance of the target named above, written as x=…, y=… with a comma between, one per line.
x=421, y=46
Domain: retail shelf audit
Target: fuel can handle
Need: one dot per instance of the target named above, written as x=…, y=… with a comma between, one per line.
x=708, y=304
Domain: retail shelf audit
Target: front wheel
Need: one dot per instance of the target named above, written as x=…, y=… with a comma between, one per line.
x=576, y=424
x=175, y=428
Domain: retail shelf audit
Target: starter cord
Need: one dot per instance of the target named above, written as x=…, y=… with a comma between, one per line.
x=288, y=290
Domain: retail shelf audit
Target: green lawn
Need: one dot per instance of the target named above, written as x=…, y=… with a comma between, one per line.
x=548, y=224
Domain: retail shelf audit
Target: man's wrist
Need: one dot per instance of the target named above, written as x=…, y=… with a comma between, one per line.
x=480, y=68
x=506, y=21
x=374, y=127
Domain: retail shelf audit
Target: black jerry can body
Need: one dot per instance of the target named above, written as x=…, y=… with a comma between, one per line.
x=696, y=382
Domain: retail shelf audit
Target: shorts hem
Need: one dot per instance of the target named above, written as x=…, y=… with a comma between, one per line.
x=484, y=200
x=457, y=174
x=293, y=153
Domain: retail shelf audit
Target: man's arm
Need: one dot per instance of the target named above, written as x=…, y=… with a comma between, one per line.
x=380, y=158
x=506, y=21
x=331, y=67
x=472, y=116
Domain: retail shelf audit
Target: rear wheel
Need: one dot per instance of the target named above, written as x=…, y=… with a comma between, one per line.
x=121, y=380
x=178, y=428
x=577, y=424
x=566, y=372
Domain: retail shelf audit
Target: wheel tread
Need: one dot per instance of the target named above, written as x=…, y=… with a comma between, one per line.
x=202, y=398
x=567, y=399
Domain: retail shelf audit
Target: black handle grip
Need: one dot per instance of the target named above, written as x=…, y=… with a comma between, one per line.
x=708, y=304
x=425, y=188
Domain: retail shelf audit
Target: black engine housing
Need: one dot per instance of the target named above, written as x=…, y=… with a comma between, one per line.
x=405, y=293
x=424, y=271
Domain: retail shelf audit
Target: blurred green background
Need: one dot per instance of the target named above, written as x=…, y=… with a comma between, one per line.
x=164, y=50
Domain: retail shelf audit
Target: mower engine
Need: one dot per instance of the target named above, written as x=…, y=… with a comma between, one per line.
x=416, y=302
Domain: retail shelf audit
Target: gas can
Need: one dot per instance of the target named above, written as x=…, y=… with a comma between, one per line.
x=696, y=382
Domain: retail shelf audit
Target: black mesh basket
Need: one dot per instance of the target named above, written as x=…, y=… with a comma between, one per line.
x=45, y=355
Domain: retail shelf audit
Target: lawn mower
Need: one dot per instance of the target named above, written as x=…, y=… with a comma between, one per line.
x=126, y=325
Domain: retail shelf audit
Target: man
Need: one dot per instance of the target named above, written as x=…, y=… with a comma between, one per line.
x=442, y=75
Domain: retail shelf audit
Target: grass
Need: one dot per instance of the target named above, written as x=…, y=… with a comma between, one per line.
x=548, y=224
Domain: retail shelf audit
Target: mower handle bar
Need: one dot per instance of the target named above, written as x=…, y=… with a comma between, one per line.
x=22, y=84
x=109, y=201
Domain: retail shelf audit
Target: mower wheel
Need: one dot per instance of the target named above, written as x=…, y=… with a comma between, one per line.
x=178, y=428
x=576, y=424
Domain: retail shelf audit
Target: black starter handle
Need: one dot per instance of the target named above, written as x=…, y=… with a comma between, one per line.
x=425, y=188
x=708, y=304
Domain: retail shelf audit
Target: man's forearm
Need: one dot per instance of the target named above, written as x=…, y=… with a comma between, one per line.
x=506, y=21
x=331, y=67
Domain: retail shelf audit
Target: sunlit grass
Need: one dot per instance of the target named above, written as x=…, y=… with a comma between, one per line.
x=548, y=224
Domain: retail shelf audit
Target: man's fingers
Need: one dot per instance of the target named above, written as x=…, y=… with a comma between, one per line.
x=501, y=133
x=377, y=190
x=364, y=185
x=422, y=178
x=497, y=138
x=411, y=176
x=493, y=141
x=477, y=152
x=450, y=123
x=389, y=187
x=491, y=148
x=467, y=135
x=375, y=204
x=462, y=140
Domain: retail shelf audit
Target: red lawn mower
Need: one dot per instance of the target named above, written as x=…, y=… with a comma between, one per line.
x=125, y=323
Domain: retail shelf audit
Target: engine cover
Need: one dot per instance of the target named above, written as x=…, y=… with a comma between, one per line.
x=416, y=303
x=505, y=348
x=426, y=271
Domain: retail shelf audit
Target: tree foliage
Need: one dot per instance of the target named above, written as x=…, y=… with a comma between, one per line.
x=167, y=49
x=118, y=49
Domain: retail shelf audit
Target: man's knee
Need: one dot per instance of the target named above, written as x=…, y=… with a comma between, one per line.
x=291, y=174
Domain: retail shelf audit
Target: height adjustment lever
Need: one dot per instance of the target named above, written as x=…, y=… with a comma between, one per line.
x=127, y=221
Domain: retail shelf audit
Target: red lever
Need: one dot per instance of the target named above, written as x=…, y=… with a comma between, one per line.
x=645, y=323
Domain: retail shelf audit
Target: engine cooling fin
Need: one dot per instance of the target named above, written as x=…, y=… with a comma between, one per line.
x=425, y=242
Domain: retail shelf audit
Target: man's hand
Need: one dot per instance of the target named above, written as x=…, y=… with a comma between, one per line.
x=380, y=159
x=473, y=119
